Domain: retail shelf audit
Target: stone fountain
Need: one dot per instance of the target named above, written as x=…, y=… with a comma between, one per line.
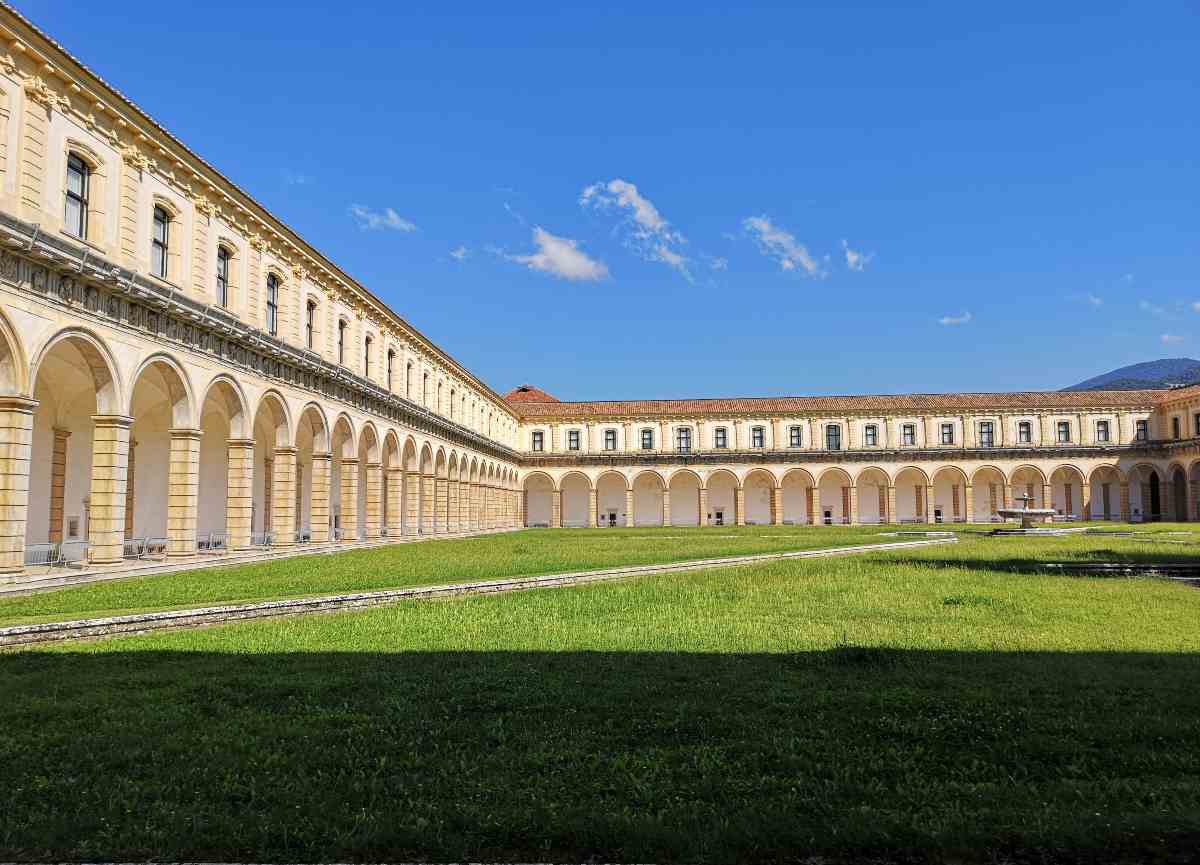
x=1026, y=514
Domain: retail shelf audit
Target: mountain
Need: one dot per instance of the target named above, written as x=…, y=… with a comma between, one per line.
x=1150, y=374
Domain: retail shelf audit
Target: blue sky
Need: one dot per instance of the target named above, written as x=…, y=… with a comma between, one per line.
x=712, y=200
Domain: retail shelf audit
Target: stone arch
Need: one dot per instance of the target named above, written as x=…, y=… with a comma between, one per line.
x=271, y=430
x=1066, y=491
x=989, y=487
x=758, y=493
x=1146, y=493
x=344, y=438
x=684, y=486
x=871, y=485
x=14, y=369
x=648, y=490
x=408, y=455
x=369, y=487
x=797, y=484
x=833, y=496
x=949, y=504
x=722, y=486
x=313, y=428
x=1105, y=482
x=224, y=416
x=538, y=489
x=226, y=393
x=1028, y=480
x=86, y=350
x=369, y=443
x=1176, y=495
x=611, y=496
x=167, y=376
x=912, y=495
x=575, y=493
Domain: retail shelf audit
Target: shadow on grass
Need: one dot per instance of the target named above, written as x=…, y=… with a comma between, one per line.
x=537, y=756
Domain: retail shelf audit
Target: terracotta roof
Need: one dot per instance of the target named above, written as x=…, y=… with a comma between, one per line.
x=891, y=403
x=1190, y=391
x=527, y=393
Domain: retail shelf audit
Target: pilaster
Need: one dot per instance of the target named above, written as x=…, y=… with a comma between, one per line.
x=412, y=503
x=374, y=516
x=318, y=502
x=739, y=506
x=427, y=504
x=349, y=499
x=394, y=479
x=239, y=495
x=556, y=509
x=777, y=504
x=16, y=437
x=106, y=512
x=283, y=497
x=183, y=492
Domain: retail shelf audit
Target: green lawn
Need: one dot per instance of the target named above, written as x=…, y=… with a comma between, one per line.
x=947, y=704
x=527, y=553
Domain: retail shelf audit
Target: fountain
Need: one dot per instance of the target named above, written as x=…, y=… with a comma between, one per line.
x=1028, y=516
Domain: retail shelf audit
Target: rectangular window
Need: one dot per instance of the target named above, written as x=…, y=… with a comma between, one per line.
x=1102, y=431
x=1024, y=432
x=986, y=434
x=647, y=439
x=794, y=439
x=538, y=441
x=908, y=434
x=573, y=440
x=310, y=314
x=833, y=437
x=75, y=214
x=391, y=357
x=158, y=244
x=1175, y=428
x=685, y=439
x=1064, y=431
x=610, y=439
x=342, y=342
x=871, y=435
x=1143, y=431
x=272, y=304
x=720, y=437
x=757, y=437
x=223, y=277
x=947, y=433
x=1196, y=424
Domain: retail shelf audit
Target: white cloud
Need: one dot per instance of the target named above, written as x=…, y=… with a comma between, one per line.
x=1093, y=300
x=716, y=262
x=1196, y=305
x=856, y=260
x=779, y=244
x=561, y=257
x=294, y=178
x=1152, y=308
x=371, y=220
x=950, y=320
x=460, y=254
x=648, y=233
x=1170, y=338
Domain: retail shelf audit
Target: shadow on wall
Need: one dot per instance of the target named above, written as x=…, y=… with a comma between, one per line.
x=614, y=756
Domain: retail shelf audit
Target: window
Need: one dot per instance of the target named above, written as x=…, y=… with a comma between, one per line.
x=573, y=440
x=367, y=357
x=721, y=437
x=1196, y=424
x=539, y=440
x=908, y=434
x=272, y=304
x=310, y=318
x=684, y=439
x=341, y=340
x=833, y=437
x=75, y=211
x=1175, y=428
x=391, y=361
x=647, y=439
x=757, y=437
x=223, y=257
x=987, y=433
x=425, y=396
x=1024, y=432
x=610, y=439
x=408, y=383
x=794, y=440
x=159, y=243
x=871, y=435
x=947, y=433
x=1064, y=431
x=1102, y=431
x=1143, y=431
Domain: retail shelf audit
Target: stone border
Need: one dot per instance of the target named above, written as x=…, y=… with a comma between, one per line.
x=138, y=623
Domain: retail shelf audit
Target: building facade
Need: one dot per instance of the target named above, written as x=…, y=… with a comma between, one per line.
x=175, y=362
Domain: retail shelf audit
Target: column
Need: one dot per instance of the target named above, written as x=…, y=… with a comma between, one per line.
x=739, y=506
x=666, y=507
x=891, y=504
x=283, y=497
x=16, y=437
x=969, y=502
x=58, y=479
x=628, y=506
x=412, y=502
x=239, y=495
x=522, y=508
x=594, y=507
x=442, y=491
x=318, y=502
x=1194, y=500
x=427, y=504
x=929, y=509
x=556, y=509
x=1047, y=496
x=394, y=481
x=1085, y=500
x=1007, y=495
x=130, y=487
x=349, y=498
x=704, y=506
x=853, y=496
x=777, y=506
x=183, y=492
x=374, y=515
x=1124, y=501
x=814, y=506
x=106, y=513
x=452, y=501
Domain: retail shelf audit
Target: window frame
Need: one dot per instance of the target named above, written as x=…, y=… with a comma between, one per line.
x=833, y=436
x=81, y=198
x=272, y=308
x=646, y=437
x=947, y=436
x=683, y=439
x=537, y=441
x=987, y=434
x=1141, y=430
x=574, y=440
x=1103, y=431
x=160, y=246
x=367, y=342
x=224, y=261
x=610, y=439
x=720, y=438
x=1062, y=432
x=758, y=437
x=391, y=363
x=343, y=326
x=870, y=435
x=1176, y=428
x=795, y=436
x=908, y=435
x=1025, y=432
x=310, y=323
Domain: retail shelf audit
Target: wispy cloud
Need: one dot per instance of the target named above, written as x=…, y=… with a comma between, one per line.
x=1152, y=308
x=776, y=242
x=460, y=254
x=373, y=220
x=560, y=257
x=856, y=260
x=646, y=231
x=1093, y=299
x=514, y=214
x=1170, y=338
x=715, y=262
x=1196, y=305
x=295, y=178
x=951, y=320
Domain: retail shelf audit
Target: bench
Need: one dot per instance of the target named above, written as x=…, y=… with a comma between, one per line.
x=45, y=555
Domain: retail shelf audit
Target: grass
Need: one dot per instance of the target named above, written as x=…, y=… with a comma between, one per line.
x=946, y=704
x=527, y=553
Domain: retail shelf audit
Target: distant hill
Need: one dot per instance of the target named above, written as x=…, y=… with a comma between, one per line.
x=1150, y=374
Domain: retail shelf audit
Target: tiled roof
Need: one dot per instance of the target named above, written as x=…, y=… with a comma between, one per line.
x=528, y=393
x=884, y=403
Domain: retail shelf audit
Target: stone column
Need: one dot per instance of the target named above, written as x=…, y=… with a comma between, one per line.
x=452, y=500
x=349, y=496
x=704, y=506
x=594, y=507
x=891, y=504
x=969, y=503
x=16, y=439
x=374, y=515
x=1007, y=497
x=853, y=496
x=1125, y=515
x=777, y=505
x=666, y=507
x=239, y=493
x=739, y=506
x=814, y=507
x=318, y=502
x=629, y=506
x=106, y=513
x=1047, y=496
x=283, y=496
x=442, y=506
x=58, y=483
x=929, y=508
x=394, y=480
x=412, y=503
x=1085, y=500
x=1194, y=500
x=556, y=509
x=183, y=492
x=522, y=508
x=427, y=504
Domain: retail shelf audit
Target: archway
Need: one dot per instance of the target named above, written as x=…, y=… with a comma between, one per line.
x=273, y=511
x=223, y=501
x=988, y=486
x=393, y=493
x=1145, y=494
x=539, y=500
x=1028, y=481
x=912, y=493
x=16, y=418
x=370, y=487
x=313, y=466
x=441, y=501
x=722, y=498
x=1066, y=491
x=949, y=495
x=575, y=492
x=648, y=491
x=426, y=495
x=833, y=497
x=1178, y=494
x=758, y=490
x=610, y=499
x=872, y=485
x=685, y=498
x=343, y=480
x=797, y=497
x=1105, y=483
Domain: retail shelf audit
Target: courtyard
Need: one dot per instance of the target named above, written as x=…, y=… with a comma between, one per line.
x=955, y=702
